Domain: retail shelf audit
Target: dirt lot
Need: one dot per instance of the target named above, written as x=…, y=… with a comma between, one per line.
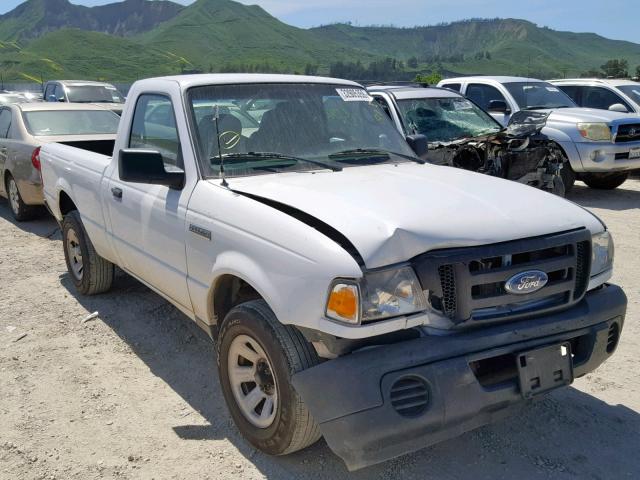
x=133, y=394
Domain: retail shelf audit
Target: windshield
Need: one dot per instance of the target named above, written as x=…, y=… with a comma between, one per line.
x=538, y=95
x=631, y=91
x=93, y=94
x=446, y=119
x=267, y=128
x=71, y=122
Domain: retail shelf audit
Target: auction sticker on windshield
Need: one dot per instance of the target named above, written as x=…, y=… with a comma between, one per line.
x=462, y=105
x=353, y=94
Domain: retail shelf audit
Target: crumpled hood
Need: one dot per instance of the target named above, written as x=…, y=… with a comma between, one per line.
x=393, y=213
x=574, y=115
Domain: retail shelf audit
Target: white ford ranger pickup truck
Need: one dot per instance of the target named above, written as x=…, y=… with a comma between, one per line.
x=354, y=291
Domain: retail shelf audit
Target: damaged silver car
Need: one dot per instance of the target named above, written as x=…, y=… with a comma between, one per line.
x=462, y=135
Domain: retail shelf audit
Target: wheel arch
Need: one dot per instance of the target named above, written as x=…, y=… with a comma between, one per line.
x=228, y=290
x=65, y=203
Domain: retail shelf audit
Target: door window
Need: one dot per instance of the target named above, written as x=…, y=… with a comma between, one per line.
x=573, y=91
x=601, y=98
x=59, y=93
x=154, y=128
x=48, y=92
x=5, y=122
x=452, y=86
x=483, y=95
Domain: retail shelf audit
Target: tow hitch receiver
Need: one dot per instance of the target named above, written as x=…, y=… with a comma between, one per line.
x=544, y=369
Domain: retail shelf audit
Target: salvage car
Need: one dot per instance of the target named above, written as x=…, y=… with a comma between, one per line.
x=24, y=128
x=354, y=291
x=617, y=95
x=598, y=144
x=462, y=135
x=84, y=91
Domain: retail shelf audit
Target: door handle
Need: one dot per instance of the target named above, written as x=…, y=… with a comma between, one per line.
x=116, y=192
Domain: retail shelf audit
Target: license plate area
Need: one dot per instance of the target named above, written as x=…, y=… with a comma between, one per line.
x=544, y=369
x=634, y=153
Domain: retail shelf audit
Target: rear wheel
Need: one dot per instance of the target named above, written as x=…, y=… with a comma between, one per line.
x=604, y=181
x=257, y=357
x=90, y=273
x=20, y=210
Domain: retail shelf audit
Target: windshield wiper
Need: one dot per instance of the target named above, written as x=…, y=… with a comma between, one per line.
x=374, y=151
x=276, y=156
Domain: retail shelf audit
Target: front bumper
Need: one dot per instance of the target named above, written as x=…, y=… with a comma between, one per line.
x=350, y=397
x=607, y=157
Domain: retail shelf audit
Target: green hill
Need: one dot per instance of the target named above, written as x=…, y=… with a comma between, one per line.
x=514, y=46
x=130, y=39
x=221, y=33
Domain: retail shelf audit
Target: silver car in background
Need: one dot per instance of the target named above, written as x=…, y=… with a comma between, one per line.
x=84, y=91
x=25, y=127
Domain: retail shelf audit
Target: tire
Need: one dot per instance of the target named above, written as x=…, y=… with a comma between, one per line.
x=20, y=210
x=604, y=181
x=568, y=177
x=291, y=426
x=91, y=274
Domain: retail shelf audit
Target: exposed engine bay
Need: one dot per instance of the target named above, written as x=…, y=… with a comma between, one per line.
x=520, y=153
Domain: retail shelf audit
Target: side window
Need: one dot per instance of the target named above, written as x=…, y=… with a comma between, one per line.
x=154, y=128
x=383, y=103
x=573, y=91
x=484, y=94
x=5, y=122
x=453, y=86
x=48, y=92
x=602, y=98
x=59, y=92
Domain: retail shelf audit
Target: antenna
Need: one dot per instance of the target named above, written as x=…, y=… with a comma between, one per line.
x=216, y=119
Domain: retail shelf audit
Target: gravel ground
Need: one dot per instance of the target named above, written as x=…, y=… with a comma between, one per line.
x=133, y=393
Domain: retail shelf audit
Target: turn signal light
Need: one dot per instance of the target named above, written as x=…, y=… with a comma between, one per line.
x=343, y=303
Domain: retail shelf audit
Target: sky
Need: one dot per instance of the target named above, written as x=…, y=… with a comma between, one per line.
x=617, y=19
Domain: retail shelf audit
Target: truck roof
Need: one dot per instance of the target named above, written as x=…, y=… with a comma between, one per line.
x=494, y=78
x=614, y=82
x=405, y=93
x=78, y=82
x=187, y=81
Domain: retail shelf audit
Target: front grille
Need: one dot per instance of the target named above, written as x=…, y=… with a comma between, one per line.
x=468, y=284
x=409, y=396
x=629, y=132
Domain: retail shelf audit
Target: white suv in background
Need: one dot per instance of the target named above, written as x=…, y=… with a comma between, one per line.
x=601, y=146
x=605, y=94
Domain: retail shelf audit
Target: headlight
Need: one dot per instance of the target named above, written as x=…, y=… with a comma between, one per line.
x=595, y=131
x=601, y=253
x=378, y=295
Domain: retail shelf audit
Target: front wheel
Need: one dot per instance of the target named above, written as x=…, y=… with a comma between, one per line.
x=604, y=181
x=257, y=356
x=91, y=274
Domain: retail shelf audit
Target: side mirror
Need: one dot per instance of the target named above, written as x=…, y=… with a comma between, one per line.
x=499, y=106
x=618, y=107
x=61, y=99
x=52, y=98
x=147, y=166
x=418, y=144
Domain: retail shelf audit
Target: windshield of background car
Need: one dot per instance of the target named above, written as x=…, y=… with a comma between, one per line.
x=631, y=91
x=93, y=94
x=538, y=95
x=71, y=122
x=267, y=128
x=446, y=119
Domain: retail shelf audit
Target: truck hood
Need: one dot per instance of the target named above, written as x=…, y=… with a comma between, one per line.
x=575, y=115
x=392, y=213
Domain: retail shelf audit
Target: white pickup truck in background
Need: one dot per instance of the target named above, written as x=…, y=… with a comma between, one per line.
x=353, y=291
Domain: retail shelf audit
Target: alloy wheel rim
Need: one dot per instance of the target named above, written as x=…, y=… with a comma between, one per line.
x=14, y=196
x=74, y=253
x=252, y=381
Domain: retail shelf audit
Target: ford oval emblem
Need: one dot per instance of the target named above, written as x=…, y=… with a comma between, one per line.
x=526, y=282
